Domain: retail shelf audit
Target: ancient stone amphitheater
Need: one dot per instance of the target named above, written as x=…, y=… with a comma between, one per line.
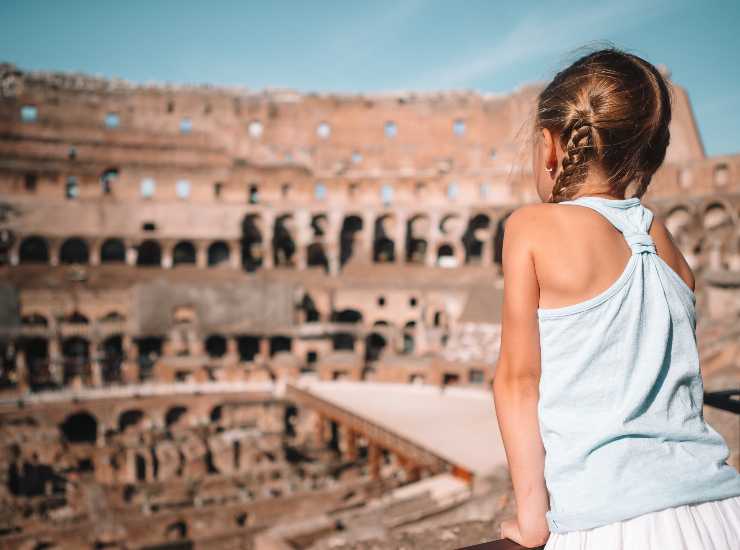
x=238, y=319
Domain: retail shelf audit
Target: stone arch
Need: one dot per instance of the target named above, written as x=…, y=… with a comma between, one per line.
x=375, y=342
x=384, y=247
x=310, y=311
x=183, y=253
x=218, y=253
x=348, y=237
x=34, y=319
x=409, y=333
x=251, y=242
x=475, y=238
x=149, y=254
x=80, y=427
x=215, y=345
x=36, y=351
x=113, y=250
x=76, y=354
x=77, y=318
x=131, y=418
x=498, y=239
x=34, y=250
x=74, y=251
x=446, y=255
x=175, y=416
x=345, y=340
x=283, y=242
x=316, y=256
x=279, y=343
x=417, y=231
x=112, y=361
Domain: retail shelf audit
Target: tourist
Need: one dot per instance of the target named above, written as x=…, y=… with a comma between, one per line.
x=598, y=391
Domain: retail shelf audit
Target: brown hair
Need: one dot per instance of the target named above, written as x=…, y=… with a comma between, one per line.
x=611, y=109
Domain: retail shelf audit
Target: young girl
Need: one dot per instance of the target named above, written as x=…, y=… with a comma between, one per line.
x=597, y=390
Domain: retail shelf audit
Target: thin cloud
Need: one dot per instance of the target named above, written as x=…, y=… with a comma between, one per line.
x=388, y=26
x=539, y=35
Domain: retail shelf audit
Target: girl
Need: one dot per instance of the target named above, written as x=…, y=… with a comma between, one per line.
x=598, y=392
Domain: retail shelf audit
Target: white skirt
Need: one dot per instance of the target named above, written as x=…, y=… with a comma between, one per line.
x=710, y=525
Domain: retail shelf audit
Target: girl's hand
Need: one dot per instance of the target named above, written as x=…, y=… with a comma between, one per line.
x=510, y=530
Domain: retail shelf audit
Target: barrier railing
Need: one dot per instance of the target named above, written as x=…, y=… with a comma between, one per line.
x=727, y=400
x=501, y=544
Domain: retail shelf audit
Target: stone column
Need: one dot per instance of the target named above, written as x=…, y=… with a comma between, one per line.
x=350, y=441
x=167, y=256
x=131, y=253
x=201, y=255
x=373, y=460
x=95, y=251
x=320, y=430
x=235, y=254
x=264, y=352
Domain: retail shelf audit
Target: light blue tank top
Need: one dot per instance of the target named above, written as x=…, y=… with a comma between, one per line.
x=621, y=393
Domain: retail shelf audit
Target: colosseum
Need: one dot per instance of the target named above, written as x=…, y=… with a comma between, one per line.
x=269, y=320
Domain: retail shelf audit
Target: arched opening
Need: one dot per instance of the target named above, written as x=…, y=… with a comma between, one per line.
x=345, y=340
x=310, y=312
x=149, y=254
x=446, y=256
x=77, y=318
x=218, y=253
x=279, y=343
x=317, y=257
x=140, y=468
x=283, y=244
x=183, y=253
x=107, y=178
x=348, y=237
x=112, y=348
x=383, y=245
x=409, y=330
x=417, y=228
x=81, y=427
x=251, y=243
x=175, y=415
x=112, y=251
x=375, y=343
x=150, y=349
x=474, y=238
x=216, y=345
x=76, y=354
x=33, y=250
x=36, y=350
x=248, y=346
x=132, y=418
x=498, y=240
x=74, y=251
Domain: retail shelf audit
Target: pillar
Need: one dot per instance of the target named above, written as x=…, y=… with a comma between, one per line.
x=350, y=441
x=320, y=430
x=201, y=255
x=373, y=460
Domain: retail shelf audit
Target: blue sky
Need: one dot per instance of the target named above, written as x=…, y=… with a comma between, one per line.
x=379, y=45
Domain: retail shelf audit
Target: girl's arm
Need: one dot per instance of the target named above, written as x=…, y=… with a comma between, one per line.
x=517, y=376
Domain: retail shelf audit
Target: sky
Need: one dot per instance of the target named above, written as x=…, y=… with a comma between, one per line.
x=379, y=45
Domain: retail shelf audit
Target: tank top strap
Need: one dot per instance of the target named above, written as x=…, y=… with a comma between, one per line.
x=629, y=216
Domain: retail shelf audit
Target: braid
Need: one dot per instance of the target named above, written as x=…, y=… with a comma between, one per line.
x=578, y=152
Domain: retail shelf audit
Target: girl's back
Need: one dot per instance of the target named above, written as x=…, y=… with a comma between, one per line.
x=630, y=438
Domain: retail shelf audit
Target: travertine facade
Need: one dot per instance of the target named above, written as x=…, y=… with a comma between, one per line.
x=195, y=237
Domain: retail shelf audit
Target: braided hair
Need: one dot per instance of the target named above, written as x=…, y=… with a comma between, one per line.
x=611, y=110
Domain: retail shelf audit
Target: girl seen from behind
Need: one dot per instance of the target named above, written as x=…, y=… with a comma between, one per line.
x=598, y=390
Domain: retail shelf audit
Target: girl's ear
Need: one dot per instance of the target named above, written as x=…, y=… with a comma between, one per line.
x=549, y=150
